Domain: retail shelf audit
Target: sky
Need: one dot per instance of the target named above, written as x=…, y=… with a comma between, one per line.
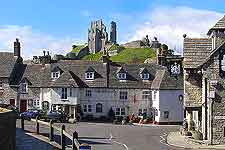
x=57, y=25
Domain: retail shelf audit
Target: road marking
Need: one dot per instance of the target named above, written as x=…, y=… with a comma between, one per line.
x=124, y=145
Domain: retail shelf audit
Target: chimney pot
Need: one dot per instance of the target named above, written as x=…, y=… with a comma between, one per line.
x=17, y=48
x=44, y=53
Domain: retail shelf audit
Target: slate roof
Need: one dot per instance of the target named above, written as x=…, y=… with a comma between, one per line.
x=7, y=63
x=195, y=51
x=219, y=25
x=134, y=80
x=73, y=75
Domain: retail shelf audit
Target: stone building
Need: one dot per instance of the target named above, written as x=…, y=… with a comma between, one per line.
x=204, y=99
x=98, y=36
x=96, y=87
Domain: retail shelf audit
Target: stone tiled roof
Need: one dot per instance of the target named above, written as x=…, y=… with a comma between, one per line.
x=159, y=77
x=195, y=51
x=219, y=25
x=73, y=75
x=7, y=63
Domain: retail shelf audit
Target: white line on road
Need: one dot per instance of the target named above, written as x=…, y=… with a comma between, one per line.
x=163, y=140
x=111, y=137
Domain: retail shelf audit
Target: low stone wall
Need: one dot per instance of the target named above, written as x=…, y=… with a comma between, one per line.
x=7, y=130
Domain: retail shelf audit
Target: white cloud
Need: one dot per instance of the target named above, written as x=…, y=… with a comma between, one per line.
x=170, y=23
x=33, y=42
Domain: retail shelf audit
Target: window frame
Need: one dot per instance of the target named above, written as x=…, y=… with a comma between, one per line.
x=24, y=88
x=55, y=75
x=88, y=93
x=166, y=114
x=146, y=96
x=99, y=109
x=64, y=94
x=89, y=75
x=145, y=76
x=120, y=111
x=123, y=96
x=89, y=108
x=122, y=76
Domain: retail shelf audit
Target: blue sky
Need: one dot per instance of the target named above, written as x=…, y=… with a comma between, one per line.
x=56, y=25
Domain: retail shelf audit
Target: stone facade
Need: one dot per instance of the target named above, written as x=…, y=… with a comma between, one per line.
x=98, y=36
x=204, y=83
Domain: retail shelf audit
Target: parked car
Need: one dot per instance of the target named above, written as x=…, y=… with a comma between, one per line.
x=57, y=116
x=31, y=113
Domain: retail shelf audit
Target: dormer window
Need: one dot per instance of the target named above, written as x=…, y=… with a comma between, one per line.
x=122, y=76
x=56, y=72
x=89, y=75
x=145, y=76
x=23, y=88
x=55, y=75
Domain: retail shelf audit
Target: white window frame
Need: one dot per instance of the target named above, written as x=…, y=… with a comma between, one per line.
x=145, y=76
x=64, y=94
x=85, y=108
x=99, y=108
x=88, y=93
x=24, y=88
x=55, y=75
x=154, y=95
x=89, y=108
x=123, y=95
x=89, y=75
x=120, y=111
x=166, y=114
x=146, y=94
x=122, y=76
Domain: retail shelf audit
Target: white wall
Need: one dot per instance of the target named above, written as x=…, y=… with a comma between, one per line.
x=169, y=101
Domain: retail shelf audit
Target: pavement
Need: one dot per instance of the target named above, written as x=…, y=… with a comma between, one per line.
x=176, y=139
x=28, y=141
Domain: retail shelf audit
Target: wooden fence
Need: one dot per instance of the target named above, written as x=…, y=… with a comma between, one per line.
x=63, y=133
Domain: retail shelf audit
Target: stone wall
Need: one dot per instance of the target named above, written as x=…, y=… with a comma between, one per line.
x=7, y=130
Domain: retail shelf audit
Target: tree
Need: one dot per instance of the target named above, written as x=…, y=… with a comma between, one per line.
x=111, y=114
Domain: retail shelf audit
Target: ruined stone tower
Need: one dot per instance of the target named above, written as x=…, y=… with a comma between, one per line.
x=97, y=36
x=113, y=33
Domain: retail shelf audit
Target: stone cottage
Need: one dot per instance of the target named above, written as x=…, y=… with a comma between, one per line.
x=204, y=75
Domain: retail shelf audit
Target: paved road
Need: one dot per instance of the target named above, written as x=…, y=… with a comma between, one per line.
x=117, y=137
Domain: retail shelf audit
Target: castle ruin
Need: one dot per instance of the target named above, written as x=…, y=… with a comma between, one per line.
x=98, y=36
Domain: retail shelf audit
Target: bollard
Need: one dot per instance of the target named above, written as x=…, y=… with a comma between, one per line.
x=37, y=125
x=63, y=139
x=51, y=131
x=22, y=123
x=75, y=137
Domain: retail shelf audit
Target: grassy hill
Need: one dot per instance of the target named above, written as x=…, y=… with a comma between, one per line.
x=77, y=49
x=128, y=55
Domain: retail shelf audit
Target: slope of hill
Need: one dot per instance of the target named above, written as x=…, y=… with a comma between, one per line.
x=128, y=55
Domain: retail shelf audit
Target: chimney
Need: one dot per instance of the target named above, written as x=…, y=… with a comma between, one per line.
x=17, y=48
x=48, y=53
x=44, y=53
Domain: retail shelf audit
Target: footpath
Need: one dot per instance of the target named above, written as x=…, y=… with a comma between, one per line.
x=175, y=139
x=27, y=141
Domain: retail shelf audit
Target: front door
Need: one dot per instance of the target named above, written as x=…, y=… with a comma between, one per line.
x=23, y=105
x=12, y=102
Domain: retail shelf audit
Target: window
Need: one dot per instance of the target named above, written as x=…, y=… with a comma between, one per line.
x=117, y=111
x=120, y=111
x=24, y=88
x=36, y=102
x=64, y=93
x=123, y=95
x=146, y=95
x=89, y=108
x=166, y=114
x=98, y=108
x=145, y=76
x=1, y=83
x=142, y=112
x=71, y=92
x=85, y=108
x=89, y=75
x=88, y=93
x=55, y=75
x=121, y=76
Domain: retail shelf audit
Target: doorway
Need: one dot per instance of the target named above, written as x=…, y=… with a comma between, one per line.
x=23, y=105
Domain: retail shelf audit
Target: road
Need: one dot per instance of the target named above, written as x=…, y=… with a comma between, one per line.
x=103, y=136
